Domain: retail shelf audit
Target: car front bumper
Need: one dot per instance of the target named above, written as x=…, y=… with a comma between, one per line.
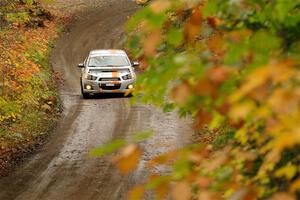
x=98, y=87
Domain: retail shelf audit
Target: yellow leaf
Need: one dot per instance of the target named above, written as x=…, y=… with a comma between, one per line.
x=287, y=171
x=286, y=140
x=254, y=80
x=241, y=135
x=283, y=71
x=240, y=111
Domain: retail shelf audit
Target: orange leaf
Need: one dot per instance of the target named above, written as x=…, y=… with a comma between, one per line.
x=193, y=26
x=181, y=191
x=129, y=159
x=283, y=196
x=162, y=190
x=245, y=194
x=141, y=1
x=202, y=119
x=204, y=87
x=261, y=92
x=181, y=93
x=219, y=74
x=164, y=159
x=295, y=186
x=204, y=182
x=216, y=44
x=207, y=195
x=219, y=158
x=137, y=193
x=159, y=6
x=151, y=43
x=213, y=21
x=283, y=97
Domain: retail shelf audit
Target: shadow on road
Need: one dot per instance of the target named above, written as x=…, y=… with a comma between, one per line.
x=107, y=96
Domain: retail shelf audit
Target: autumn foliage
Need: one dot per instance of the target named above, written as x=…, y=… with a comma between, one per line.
x=28, y=97
x=234, y=67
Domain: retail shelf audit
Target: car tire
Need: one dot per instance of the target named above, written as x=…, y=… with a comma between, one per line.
x=128, y=95
x=84, y=95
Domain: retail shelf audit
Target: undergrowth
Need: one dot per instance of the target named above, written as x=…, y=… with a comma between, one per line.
x=29, y=101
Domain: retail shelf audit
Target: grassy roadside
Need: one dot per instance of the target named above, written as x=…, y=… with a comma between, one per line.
x=29, y=101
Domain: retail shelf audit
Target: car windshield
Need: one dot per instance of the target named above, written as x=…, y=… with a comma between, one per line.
x=104, y=61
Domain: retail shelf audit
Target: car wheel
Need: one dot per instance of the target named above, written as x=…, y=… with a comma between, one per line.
x=84, y=95
x=128, y=95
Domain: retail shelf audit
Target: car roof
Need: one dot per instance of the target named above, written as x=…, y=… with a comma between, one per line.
x=107, y=52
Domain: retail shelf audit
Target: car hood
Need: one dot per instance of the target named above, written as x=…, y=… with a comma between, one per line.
x=105, y=70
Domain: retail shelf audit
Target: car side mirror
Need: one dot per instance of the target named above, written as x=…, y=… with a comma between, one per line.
x=80, y=65
x=135, y=64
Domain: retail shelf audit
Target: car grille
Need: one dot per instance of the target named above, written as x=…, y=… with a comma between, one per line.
x=109, y=79
x=115, y=87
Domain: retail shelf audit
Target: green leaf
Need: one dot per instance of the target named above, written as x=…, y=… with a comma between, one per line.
x=108, y=148
x=210, y=8
x=142, y=136
x=175, y=37
x=136, y=19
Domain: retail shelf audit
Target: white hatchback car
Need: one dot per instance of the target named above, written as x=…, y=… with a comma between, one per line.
x=107, y=71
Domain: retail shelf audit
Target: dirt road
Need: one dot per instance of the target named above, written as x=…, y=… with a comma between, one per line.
x=62, y=168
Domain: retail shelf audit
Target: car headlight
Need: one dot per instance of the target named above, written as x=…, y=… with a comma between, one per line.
x=88, y=87
x=127, y=77
x=91, y=77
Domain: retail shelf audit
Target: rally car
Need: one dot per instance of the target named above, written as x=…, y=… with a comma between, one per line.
x=107, y=71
